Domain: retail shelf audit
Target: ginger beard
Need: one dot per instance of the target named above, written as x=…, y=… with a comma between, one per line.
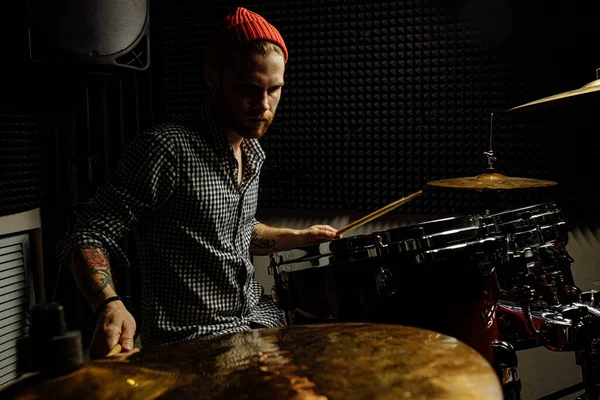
x=249, y=92
x=252, y=126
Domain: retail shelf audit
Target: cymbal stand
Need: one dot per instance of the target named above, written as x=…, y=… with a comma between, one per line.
x=490, y=197
x=490, y=154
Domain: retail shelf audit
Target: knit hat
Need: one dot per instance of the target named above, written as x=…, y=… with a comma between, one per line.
x=239, y=27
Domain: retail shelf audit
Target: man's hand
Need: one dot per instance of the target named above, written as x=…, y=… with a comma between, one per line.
x=265, y=239
x=115, y=325
x=316, y=233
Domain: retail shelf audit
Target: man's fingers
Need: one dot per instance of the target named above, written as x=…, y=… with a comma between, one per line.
x=325, y=227
x=112, y=336
x=326, y=231
x=317, y=233
x=127, y=335
x=126, y=343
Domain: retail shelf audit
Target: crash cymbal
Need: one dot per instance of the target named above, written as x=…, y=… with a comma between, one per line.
x=591, y=88
x=311, y=362
x=491, y=181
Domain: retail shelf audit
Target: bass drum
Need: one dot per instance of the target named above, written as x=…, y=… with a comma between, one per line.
x=436, y=275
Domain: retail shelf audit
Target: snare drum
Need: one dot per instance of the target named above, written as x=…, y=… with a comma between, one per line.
x=535, y=251
x=333, y=281
x=436, y=275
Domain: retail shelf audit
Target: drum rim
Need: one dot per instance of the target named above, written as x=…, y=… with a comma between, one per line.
x=552, y=204
x=419, y=256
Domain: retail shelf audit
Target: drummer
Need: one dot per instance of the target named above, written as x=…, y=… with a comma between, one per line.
x=189, y=189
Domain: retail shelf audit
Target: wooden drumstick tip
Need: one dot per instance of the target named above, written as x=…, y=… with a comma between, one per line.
x=115, y=350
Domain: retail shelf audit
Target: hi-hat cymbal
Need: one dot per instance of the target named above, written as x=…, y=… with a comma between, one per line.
x=491, y=181
x=590, y=88
x=313, y=362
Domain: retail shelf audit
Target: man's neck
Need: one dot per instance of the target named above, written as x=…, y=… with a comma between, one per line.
x=233, y=138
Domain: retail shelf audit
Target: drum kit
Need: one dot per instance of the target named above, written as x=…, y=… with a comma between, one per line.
x=436, y=309
x=498, y=281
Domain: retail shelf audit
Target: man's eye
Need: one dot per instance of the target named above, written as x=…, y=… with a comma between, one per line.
x=248, y=88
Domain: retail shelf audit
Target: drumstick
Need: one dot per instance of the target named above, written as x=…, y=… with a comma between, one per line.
x=115, y=350
x=377, y=214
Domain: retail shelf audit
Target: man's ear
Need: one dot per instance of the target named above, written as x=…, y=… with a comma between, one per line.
x=212, y=79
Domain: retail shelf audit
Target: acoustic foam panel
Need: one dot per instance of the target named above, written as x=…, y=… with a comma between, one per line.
x=383, y=97
x=23, y=145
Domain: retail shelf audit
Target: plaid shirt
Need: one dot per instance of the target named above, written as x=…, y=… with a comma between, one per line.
x=177, y=185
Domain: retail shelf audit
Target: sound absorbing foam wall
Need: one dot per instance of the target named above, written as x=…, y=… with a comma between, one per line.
x=381, y=98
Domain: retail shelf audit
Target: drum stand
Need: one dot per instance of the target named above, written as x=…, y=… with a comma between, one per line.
x=574, y=326
x=505, y=364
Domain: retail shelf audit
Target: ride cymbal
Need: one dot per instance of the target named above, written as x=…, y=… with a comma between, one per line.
x=491, y=181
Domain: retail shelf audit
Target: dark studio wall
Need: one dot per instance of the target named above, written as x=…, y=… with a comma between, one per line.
x=63, y=126
x=382, y=97
x=25, y=129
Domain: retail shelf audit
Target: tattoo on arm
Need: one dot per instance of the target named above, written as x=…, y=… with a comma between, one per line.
x=98, y=280
x=93, y=271
x=261, y=242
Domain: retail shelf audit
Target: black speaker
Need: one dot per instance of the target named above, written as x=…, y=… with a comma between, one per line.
x=90, y=32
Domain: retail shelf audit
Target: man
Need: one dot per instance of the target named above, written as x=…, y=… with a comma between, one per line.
x=191, y=187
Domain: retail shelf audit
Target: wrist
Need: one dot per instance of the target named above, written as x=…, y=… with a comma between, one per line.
x=99, y=298
x=296, y=232
x=107, y=303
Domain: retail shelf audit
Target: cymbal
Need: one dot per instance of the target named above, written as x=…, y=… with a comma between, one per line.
x=491, y=181
x=315, y=362
x=97, y=380
x=590, y=88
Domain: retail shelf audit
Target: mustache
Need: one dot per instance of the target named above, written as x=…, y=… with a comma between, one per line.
x=262, y=115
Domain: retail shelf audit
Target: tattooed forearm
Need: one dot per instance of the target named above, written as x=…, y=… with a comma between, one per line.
x=91, y=269
x=261, y=242
x=98, y=280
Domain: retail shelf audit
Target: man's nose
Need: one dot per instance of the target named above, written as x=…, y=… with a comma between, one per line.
x=261, y=100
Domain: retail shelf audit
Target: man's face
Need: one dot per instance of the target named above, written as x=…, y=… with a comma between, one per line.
x=249, y=92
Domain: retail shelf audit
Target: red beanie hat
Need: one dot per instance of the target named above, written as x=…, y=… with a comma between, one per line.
x=241, y=26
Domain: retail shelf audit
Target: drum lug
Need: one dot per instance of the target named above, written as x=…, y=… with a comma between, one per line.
x=589, y=297
x=384, y=279
x=273, y=262
x=274, y=295
x=379, y=246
